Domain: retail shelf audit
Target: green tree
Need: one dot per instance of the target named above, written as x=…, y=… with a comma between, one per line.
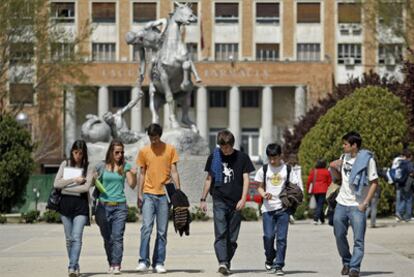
x=16, y=162
x=389, y=20
x=374, y=112
x=41, y=51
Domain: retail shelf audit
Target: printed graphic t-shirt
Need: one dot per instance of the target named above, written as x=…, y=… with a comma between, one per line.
x=346, y=194
x=275, y=183
x=234, y=166
x=157, y=161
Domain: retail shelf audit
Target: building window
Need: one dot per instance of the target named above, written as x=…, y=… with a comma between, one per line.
x=103, y=12
x=226, y=51
x=63, y=12
x=308, y=52
x=250, y=142
x=148, y=54
x=212, y=135
x=349, y=54
x=144, y=12
x=21, y=53
x=120, y=97
x=21, y=94
x=390, y=54
x=250, y=98
x=267, y=52
x=62, y=51
x=103, y=51
x=192, y=51
x=227, y=13
x=267, y=13
x=309, y=13
x=349, y=13
x=218, y=98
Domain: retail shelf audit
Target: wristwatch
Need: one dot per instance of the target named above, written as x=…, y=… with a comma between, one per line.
x=202, y=200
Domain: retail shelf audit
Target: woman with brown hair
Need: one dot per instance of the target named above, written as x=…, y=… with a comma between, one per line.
x=74, y=205
x=112, y=210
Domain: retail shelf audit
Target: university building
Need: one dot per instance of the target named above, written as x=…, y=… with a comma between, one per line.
x=263, y=63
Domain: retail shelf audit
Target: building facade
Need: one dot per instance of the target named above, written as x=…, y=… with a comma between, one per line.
x=263, y=63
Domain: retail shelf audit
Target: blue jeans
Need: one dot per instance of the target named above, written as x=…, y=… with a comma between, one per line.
x=343, y=217
x=111, y=221
x=404, y=204
x=73, y=227
x=275, y=226
x=319, y=214
x=227, y=222
x=154, y=206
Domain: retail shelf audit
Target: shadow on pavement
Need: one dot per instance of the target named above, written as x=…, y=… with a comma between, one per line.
x=263, y=271
x=192, y=271
x=368, y=273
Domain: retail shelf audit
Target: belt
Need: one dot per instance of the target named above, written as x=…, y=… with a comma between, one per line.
x=112, y=203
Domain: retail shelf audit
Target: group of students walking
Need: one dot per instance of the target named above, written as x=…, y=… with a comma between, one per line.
x=227, y=182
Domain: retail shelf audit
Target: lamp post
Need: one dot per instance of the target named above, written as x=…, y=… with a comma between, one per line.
x=22, y=118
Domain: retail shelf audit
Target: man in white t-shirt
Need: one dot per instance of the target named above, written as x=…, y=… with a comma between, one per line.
x=275, y=216
x=359, y=181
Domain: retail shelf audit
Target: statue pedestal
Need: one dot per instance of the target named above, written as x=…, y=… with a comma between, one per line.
x=192, y=150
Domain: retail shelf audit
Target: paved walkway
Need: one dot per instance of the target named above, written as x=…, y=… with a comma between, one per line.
x=39, y=250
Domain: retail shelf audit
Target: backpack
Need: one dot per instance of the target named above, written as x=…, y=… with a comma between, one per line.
x=399, y=171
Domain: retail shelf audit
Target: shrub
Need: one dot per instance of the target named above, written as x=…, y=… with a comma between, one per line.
x=31, y=216
x=132, y=214
x=3, y=219
x=376, y=114
x=51, y=216
x=16, y=162
x=292, y=139
x=197, y=214
x=249, y=214
x=301, y=212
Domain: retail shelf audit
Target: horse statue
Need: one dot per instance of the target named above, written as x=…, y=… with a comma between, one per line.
x=171, y=69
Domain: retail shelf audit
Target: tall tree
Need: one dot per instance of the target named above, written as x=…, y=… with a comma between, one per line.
x=39, y=55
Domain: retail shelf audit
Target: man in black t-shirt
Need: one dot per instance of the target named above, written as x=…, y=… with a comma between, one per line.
x=228, y=182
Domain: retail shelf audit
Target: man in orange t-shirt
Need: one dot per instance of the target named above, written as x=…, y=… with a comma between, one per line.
x=158, y=163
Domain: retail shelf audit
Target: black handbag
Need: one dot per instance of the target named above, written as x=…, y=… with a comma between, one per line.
x=54, y=199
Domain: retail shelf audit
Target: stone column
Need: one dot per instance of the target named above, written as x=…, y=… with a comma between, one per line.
x=103, y=100
x=267, y=117
x=167, y=123
x=300, y=102
x=136, y=111
x=70, y=118
x=202, y=112
x=234, y=115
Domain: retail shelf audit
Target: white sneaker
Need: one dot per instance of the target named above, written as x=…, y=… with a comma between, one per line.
x=160, y=268
x=117, y=270
x=142, y=267
x=110, y=270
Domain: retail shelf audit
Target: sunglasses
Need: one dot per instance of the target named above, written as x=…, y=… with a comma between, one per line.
x=119, y=152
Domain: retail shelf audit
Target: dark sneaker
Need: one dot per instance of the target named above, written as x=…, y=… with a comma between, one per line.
x=345, y=270
x=224, y=269
x=268, y=266
x=279, y=271
x=353, y=273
